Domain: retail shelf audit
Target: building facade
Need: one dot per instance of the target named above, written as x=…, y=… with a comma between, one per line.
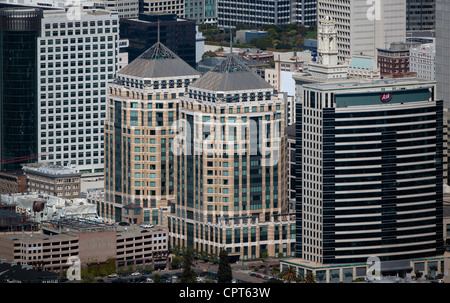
x=76, y=59
x=443, y=51
x=90, y=242
x=62, y=182
x=304, y=12
x=363, y=26
x=420, y=15
x=20, y=30
x=126, y=9
x=230, y=169
x=371, y=173
x=253, y=13
x=393, y=62
x=157, y=6
x=13, y=182
x=202, y=11
x=142, y=108
x=422, y=61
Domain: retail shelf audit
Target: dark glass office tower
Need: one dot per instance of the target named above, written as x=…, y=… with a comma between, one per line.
x=19, y=31
x=371, y=172
x=176, y=34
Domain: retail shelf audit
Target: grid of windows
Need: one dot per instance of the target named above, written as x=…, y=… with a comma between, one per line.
x=76, y=59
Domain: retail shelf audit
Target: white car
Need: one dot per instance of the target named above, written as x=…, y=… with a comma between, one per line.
x=135, y=274
x=150, y=280
x=112, y=276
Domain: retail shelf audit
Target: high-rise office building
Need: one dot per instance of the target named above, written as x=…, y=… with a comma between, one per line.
x=443, y=51
x=77, y=56
x=254, y=13
x=304, y=12
x=139, y=164
x=443, y=67
x=372, y=171
x=420, y=15
x=230, y=170
x=368, y=172
x=203, y=11
x=126, y=9
x=159, y=6
x=20, y=30
x=363, y=27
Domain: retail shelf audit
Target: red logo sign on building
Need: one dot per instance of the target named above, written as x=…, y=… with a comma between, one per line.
x=386, y=97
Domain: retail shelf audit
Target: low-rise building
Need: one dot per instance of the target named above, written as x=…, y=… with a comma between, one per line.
x=13, y=182
x=422, y=61
x=89, y=241
x=16, y=273
x=63, y=182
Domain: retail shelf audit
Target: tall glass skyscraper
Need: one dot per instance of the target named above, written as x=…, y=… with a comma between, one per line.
x=19, y=32
x=371, y=170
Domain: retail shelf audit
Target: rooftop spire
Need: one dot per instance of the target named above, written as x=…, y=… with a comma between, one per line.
x=158, y=30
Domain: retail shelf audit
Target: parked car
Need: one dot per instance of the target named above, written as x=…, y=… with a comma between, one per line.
x=136, y=273
x=258, y=276
x=112, y=275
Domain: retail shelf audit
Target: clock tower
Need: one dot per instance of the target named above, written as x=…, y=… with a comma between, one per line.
x=327, y=45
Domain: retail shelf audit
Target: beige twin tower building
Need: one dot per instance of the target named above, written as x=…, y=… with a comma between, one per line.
x=204, y=156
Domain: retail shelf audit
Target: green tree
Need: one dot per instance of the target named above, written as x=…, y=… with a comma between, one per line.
x=87, y=277
x=176, y=262
x=224, y=272
x=289, y=274
x=188, y=275
x=310, y=278
x=208, y=54
x=263, y=43
x=157, y=278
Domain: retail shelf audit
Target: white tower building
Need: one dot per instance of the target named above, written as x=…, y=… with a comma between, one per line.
x=363, y=27
x=77, y=57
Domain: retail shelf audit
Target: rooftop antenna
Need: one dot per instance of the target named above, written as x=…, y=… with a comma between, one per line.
x=231, y=41
x=158, y=30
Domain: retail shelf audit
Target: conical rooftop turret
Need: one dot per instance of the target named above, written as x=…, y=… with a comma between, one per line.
x=158, y=62
x=232, y=74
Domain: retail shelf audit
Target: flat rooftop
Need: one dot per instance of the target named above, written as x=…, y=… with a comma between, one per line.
x=351, y=83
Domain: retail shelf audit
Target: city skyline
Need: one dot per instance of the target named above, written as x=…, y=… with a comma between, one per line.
x=337, y=162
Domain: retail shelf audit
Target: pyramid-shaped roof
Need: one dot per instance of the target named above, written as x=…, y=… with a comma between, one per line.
x=232, y=74
x=158, y=62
